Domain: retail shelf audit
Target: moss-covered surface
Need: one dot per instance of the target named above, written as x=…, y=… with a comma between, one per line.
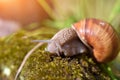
x=40, y=65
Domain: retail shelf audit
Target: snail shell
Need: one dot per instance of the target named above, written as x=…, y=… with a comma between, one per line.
x=100, y=37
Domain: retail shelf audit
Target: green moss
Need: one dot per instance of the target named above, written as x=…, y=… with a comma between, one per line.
x=42, y=66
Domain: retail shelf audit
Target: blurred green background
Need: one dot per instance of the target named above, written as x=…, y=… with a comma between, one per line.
x=16, y=15
x=57, y=13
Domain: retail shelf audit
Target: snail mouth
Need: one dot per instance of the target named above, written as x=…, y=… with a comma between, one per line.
x=62, y=55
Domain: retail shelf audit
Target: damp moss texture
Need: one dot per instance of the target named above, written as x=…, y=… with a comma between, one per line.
x=40, y=65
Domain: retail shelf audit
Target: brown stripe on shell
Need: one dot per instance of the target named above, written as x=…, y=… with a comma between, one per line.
x=112, y=36
x=101, y=36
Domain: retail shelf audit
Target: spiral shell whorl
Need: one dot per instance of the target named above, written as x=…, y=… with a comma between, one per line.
x=100, y=36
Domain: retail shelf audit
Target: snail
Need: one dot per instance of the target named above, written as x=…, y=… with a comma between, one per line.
x=86, y=36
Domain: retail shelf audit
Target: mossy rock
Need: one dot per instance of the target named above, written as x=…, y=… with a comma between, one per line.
x=41, y=65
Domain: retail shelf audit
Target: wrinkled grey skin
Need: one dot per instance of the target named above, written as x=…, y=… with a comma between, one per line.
x=67, y=43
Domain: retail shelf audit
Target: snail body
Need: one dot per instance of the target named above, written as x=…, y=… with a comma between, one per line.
x=66, y=42
x=99, y=37
x=86, y=36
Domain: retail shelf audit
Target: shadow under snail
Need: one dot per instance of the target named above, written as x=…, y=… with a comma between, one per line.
x=88, y=35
